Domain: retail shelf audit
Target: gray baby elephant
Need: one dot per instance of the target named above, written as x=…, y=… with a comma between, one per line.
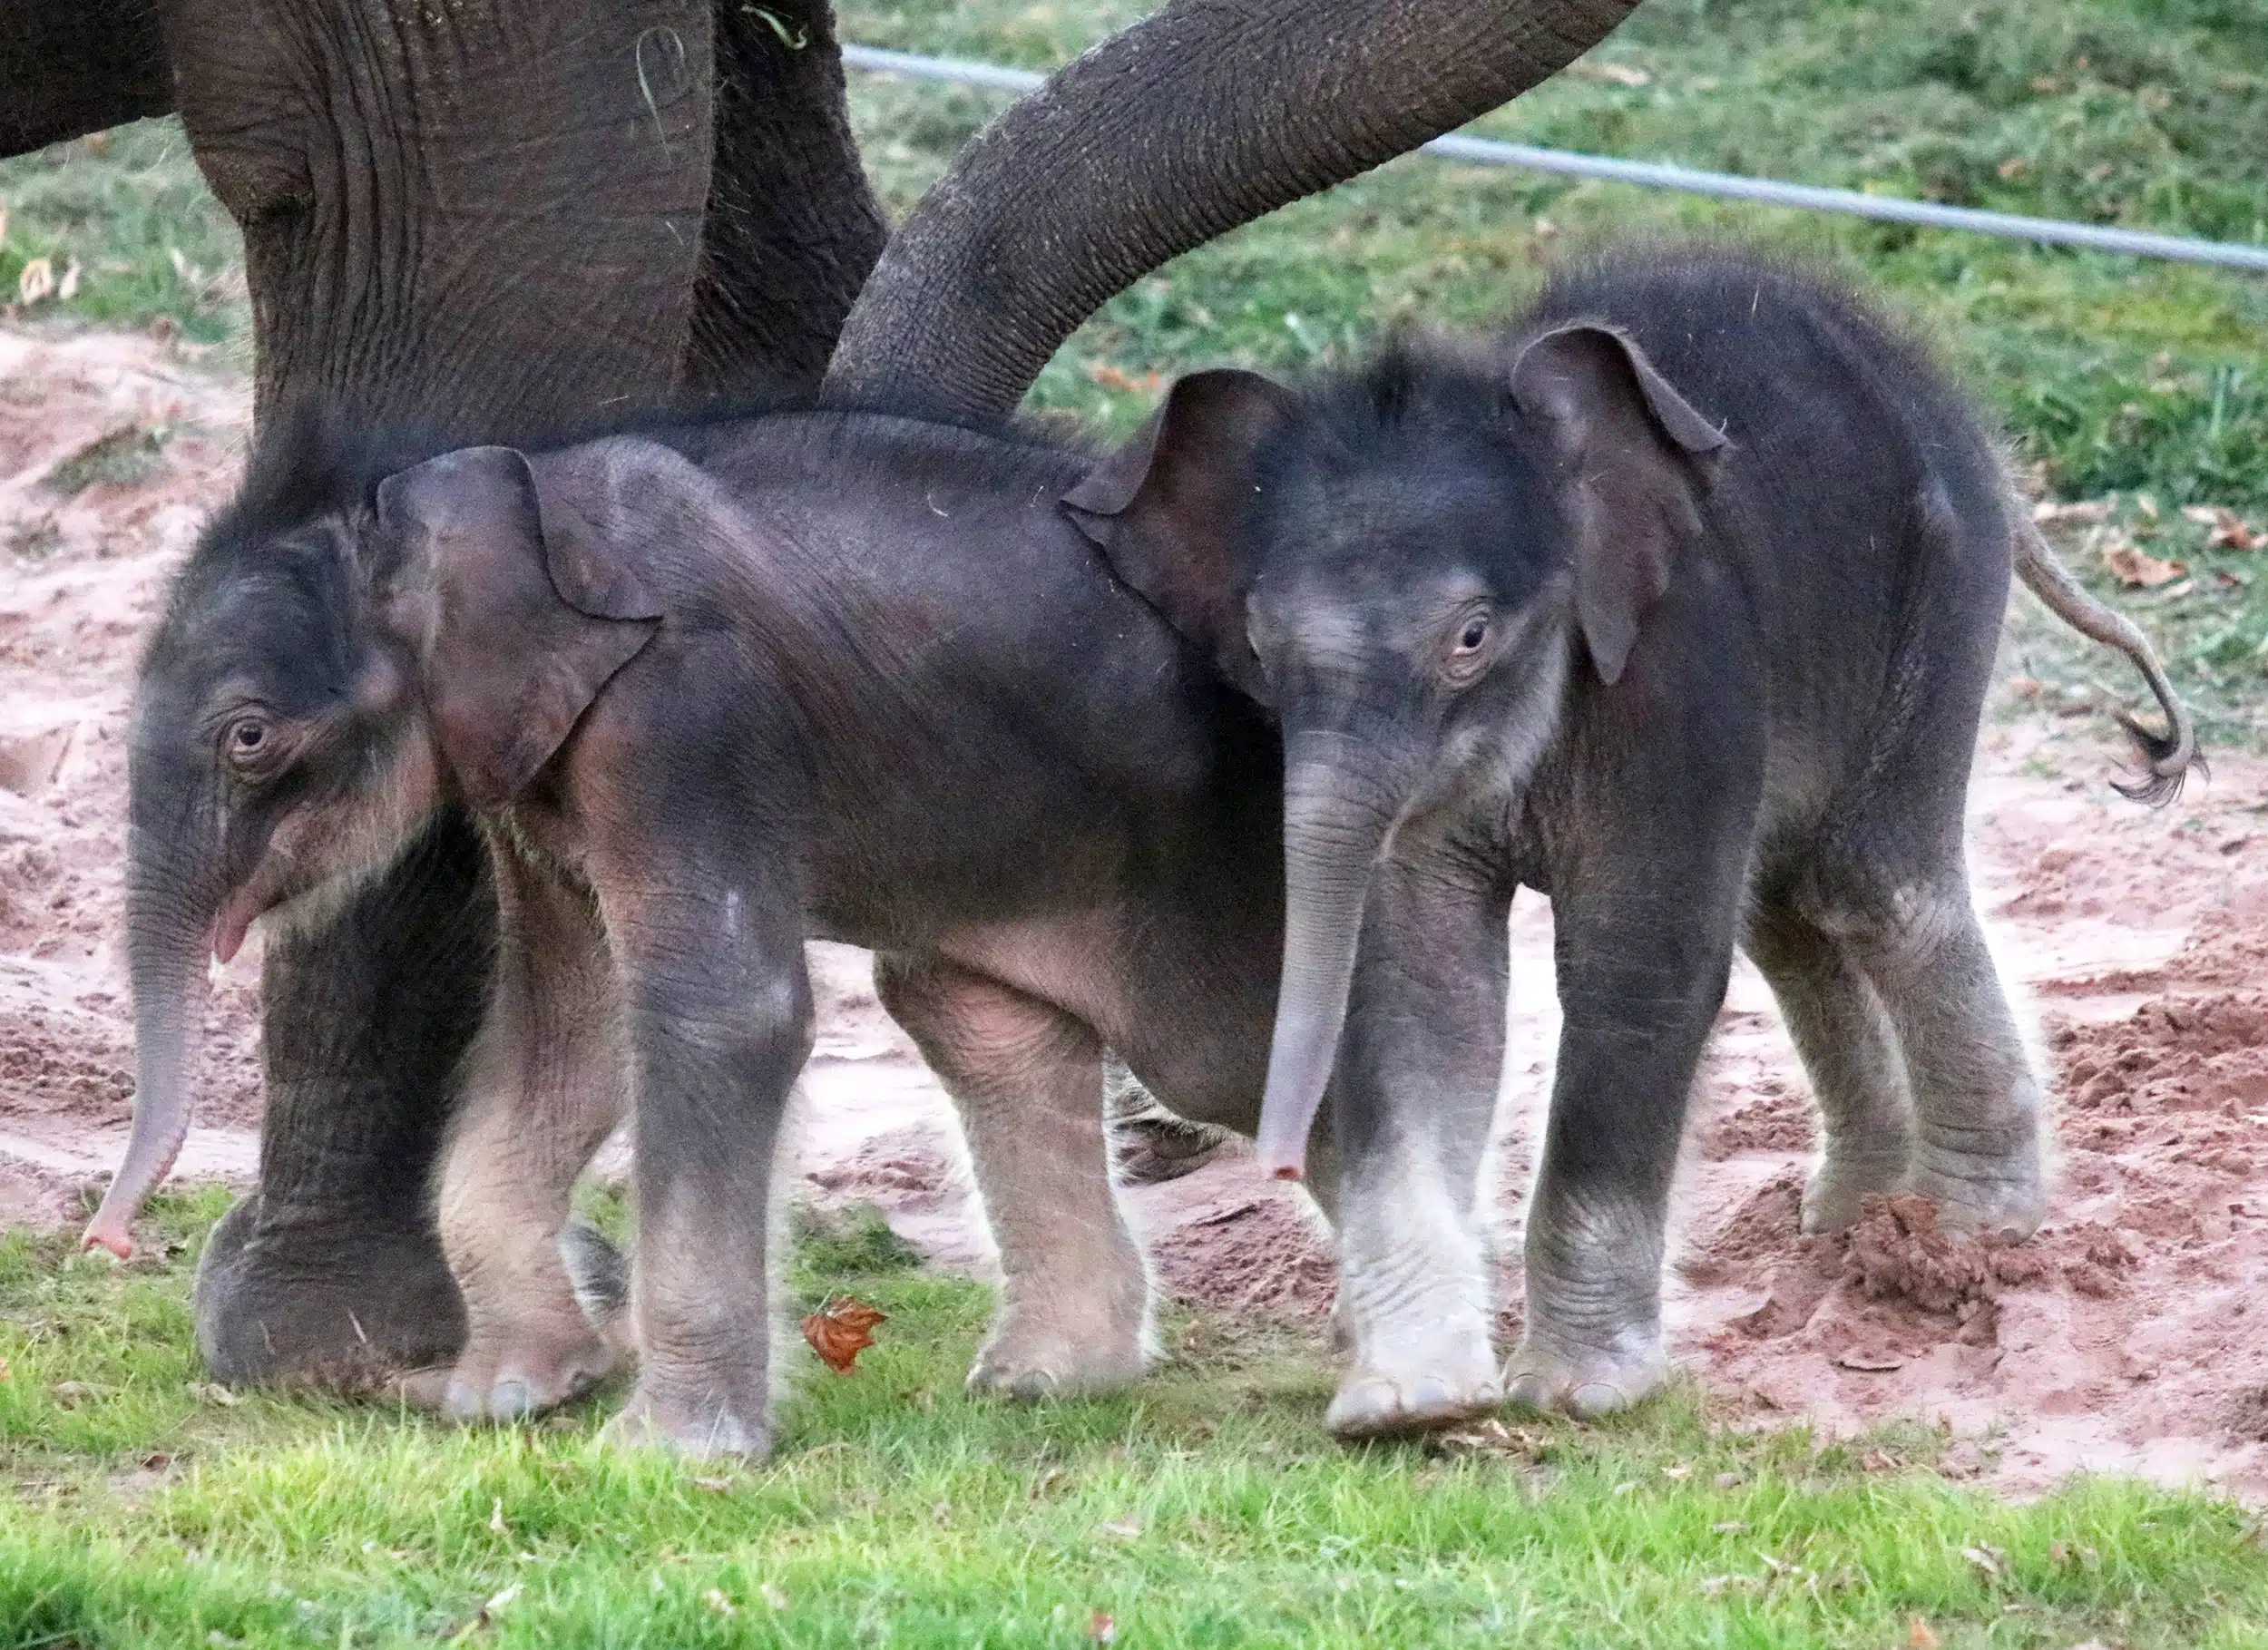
x=710, y=693
x=1677, y=603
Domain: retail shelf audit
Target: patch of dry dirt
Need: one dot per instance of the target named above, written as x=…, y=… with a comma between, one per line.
x=2130, y=1335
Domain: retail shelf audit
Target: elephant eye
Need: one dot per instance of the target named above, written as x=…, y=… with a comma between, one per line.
x=248, y=741
x=1475, y=632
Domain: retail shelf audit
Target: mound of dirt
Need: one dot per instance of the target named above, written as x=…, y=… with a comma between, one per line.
x=2128, y=1334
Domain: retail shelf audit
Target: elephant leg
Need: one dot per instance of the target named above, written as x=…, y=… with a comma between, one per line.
x=792, y=228
x=333, y=1269
x=1849, y=1052
x=1980, y=1115
x=1027, y=1079
x=1410, y=1109
x=545, y=1083
x=717, y=1004
x=1644, y=940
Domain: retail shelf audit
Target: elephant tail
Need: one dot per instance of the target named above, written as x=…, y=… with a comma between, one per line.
x=2170, y=755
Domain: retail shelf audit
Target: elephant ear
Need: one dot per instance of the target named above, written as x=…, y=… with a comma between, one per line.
x=511, y=650
x=1168, y=509
x=1635, y=461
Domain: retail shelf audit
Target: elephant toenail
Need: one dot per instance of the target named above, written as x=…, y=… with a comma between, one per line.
x=1596, y=1398
x=510, y=1400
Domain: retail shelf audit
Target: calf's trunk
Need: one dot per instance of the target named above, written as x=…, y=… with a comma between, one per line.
x=1333, y=829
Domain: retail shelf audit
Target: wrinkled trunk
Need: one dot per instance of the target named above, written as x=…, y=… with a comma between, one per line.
x=170, y=943
x=1334, y=827
x=1204, y=116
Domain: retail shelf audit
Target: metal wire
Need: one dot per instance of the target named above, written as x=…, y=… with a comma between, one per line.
x=1651, y=175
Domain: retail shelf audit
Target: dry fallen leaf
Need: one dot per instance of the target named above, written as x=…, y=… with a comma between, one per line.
x=69, y=286
x=2090, y=510
x=774, y=1599
x=212, y=1391
x=1120, y=1529
x=2137, y=568
x=840, y=1331
x=1101, y=1629
x=1918, y=1634
x=1112, y=377
x=2225, y=530
x=1731, y=1527
x=496, y=1514
x=497, y=1602
x=716, y=1600
x=1871, y=1361
x=36, y=281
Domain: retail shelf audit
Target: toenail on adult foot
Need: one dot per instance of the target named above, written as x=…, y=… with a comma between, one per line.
x=510, y=1400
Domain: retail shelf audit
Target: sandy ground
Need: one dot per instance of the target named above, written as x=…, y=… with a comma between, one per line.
x=2130, y=1335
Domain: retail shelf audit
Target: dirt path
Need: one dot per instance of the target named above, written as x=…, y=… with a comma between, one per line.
x=2132, y=1334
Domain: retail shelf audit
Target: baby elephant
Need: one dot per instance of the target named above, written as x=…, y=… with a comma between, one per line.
x=1679, y=604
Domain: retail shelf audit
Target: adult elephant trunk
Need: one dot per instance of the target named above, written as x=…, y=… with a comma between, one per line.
x=1203, y=117
x=169, y=940
x=1337, y=822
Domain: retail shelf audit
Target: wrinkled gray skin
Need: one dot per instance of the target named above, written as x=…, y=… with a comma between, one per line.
x=1678, y=605
x=667, y=203
x=891, y=696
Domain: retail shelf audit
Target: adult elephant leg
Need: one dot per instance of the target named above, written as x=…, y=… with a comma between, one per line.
x=1242, y=106
x=332, y=1270
x=792, y=229
x=1411, y=1105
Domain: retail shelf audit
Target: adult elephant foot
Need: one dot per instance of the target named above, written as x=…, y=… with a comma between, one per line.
x=349, y=1304
x=1149, y=1144
x=1586, y=1381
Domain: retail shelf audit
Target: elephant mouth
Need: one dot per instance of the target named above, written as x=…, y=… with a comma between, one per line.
x=237, y=915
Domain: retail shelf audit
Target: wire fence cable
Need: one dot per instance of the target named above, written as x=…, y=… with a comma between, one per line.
x=1653, y=174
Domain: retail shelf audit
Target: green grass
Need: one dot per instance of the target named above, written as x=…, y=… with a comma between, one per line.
x=1207, y=1509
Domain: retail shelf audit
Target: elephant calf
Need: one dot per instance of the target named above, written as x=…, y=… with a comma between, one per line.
x=1679, y=604
x=709, y=695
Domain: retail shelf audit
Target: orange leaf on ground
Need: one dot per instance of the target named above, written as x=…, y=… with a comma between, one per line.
x=841, y=1330
x=2226, y=529
x=2137, y=568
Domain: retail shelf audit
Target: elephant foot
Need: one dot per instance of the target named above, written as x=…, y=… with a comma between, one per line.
x=346, y=1300
x=1585, y=1382
x=2003, y=1196
x=1840, y=1185
x=1380, y=1403
x=1412, y=1377
x=705, y=1427
x=514, y=1378
x=1159, y=1146
x=1032, y=1356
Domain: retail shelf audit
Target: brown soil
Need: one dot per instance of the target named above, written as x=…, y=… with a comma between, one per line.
x=2124, y=1337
